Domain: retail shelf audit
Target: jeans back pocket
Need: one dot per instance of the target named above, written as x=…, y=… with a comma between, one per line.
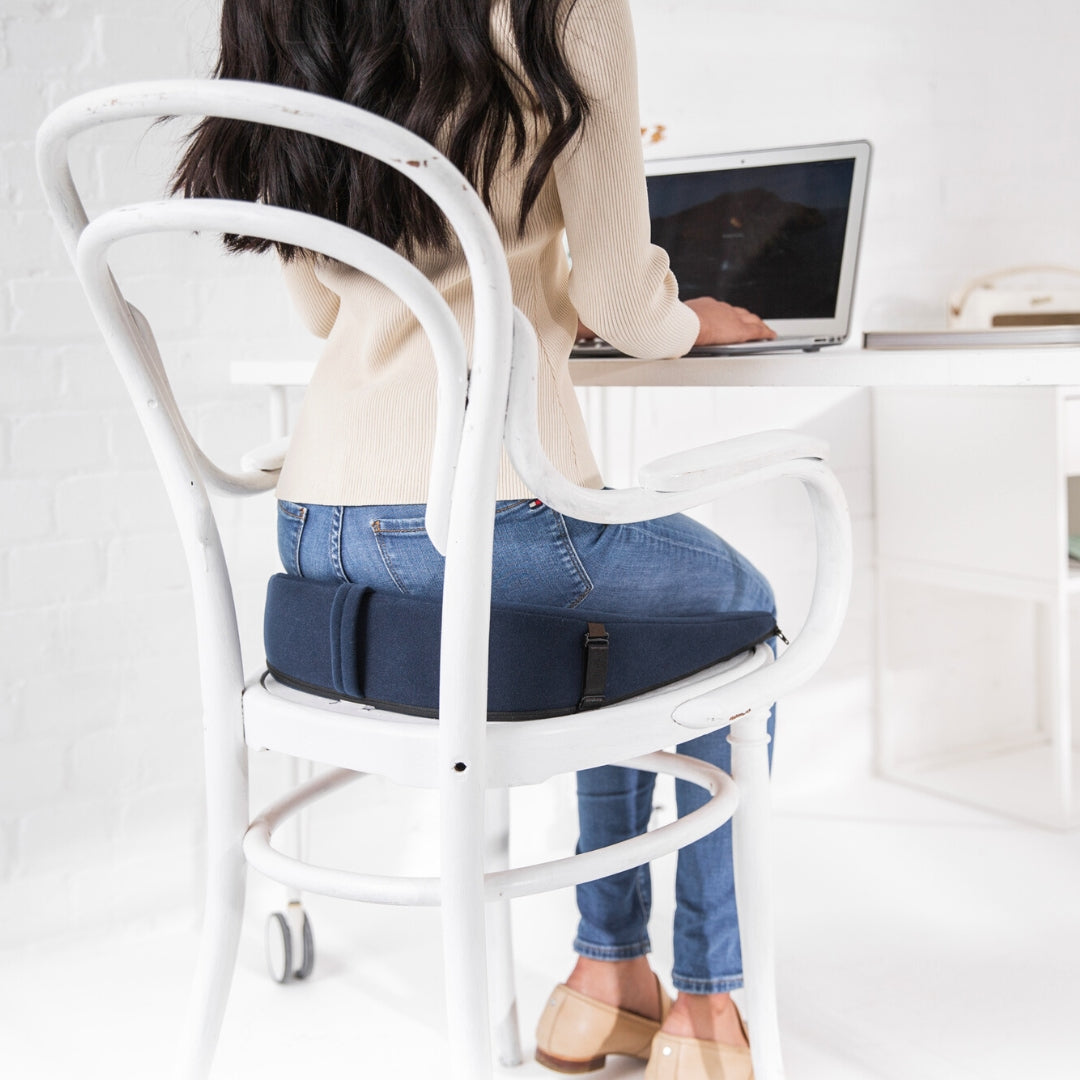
x=410, y=558
x=290, y=527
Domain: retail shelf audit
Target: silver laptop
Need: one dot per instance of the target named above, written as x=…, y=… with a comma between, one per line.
x=774, y=231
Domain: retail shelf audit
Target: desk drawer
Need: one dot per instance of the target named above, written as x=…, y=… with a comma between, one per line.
x=1072, y=436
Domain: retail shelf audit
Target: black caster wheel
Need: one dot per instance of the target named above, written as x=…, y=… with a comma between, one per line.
x=290, y=944
x=307, y=956
x=279, y=951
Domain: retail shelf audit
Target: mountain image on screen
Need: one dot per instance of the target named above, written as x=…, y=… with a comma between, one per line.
x=752, y=248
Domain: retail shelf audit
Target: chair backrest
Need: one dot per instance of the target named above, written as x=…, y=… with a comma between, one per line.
x=478, y=401
x=472, y=390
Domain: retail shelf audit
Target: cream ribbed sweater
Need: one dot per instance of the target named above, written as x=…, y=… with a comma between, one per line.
x=365, y=432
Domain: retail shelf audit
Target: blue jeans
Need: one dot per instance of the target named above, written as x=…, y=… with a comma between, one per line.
x=668, y=566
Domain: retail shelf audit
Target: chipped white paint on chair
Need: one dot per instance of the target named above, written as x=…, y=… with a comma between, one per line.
x=483, y=400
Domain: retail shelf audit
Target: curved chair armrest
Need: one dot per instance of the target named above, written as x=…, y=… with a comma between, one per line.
x=702, y=466
x=670, y=485
x=267, y=458
x=255, y=481
x=828, y=606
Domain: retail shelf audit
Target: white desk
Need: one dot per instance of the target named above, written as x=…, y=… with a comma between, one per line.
x=972, y=497
x=1048, y=366
x=1053, y=365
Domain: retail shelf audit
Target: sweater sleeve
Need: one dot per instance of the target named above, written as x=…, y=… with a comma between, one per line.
x=620, y=283
x=318, y=305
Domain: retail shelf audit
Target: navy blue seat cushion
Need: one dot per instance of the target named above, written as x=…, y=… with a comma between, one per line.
x=348, y=641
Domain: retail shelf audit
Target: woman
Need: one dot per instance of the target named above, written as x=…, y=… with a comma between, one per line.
x=536, y=102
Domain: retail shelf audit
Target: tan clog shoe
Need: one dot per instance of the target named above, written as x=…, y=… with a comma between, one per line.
x=576, y=1033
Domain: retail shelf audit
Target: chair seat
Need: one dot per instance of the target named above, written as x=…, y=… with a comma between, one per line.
x=345, y=641
x=405, y=748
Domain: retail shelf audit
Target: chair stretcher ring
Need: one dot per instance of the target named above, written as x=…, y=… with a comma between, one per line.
x=501, y=884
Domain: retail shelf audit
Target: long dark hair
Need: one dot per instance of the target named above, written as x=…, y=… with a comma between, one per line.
x=426, y=64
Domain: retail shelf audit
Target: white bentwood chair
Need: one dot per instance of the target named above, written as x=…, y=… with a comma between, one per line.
x=483, y=400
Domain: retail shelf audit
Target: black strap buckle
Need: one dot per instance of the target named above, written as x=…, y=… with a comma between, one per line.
x=596, y=664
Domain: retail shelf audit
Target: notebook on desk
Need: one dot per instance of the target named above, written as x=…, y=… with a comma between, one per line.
x=773, y=231
x=1006, y=337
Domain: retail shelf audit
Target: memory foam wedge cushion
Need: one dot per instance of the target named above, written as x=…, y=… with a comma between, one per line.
x=382, y=649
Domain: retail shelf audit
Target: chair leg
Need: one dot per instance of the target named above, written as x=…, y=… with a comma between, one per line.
x=224, y=909
x=753, y=855
x=464, y=929
x=225, y=760
x=500, y=943
x=296, y=832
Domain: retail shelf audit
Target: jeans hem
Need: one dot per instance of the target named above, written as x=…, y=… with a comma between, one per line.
x=612, y=952
x=722, y=985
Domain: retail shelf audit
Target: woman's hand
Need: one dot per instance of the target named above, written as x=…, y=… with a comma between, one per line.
x=722, y=324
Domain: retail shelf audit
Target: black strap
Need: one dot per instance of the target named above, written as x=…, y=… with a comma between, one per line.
x=596, y=662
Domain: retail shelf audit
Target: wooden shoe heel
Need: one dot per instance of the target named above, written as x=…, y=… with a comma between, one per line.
x=561, y=1065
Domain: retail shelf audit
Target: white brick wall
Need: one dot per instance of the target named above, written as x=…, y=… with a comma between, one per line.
x=973, y=116
x=100, y=768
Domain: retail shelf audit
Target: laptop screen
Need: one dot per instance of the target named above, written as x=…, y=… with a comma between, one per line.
x=769, y=238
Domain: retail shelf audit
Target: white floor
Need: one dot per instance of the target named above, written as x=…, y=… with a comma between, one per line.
x=917, y=939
